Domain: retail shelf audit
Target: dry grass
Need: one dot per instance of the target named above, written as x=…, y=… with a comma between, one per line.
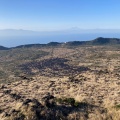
x=99, y=87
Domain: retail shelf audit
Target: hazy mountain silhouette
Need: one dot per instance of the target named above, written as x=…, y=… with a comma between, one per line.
x=97, y=41
x=3, y=48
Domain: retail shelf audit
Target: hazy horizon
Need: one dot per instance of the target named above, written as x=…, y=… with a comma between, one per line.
x=13, y=37
x=43, y=21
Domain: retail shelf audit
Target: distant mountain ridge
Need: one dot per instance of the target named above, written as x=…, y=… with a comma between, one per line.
x=3, y=48
x=97, y=41
x=105, y=41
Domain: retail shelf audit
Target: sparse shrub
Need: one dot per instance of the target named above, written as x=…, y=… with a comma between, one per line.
x=19, y=116
x=68, y=101
x=76, y=104
x=1, y=110
x=117, y=107
x=71, y=78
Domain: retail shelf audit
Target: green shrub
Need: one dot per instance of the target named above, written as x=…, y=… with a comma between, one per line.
x=117, y=107
x=76, y=104
x=68, y=101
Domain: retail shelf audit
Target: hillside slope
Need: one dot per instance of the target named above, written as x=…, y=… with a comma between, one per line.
x=60, y=82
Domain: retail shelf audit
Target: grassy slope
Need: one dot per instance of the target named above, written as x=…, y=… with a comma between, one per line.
x=98, y=87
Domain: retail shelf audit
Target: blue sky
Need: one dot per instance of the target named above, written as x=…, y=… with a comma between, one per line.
x=45, y=15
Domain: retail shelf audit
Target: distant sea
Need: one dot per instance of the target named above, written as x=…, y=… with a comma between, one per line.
x=13, y=41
